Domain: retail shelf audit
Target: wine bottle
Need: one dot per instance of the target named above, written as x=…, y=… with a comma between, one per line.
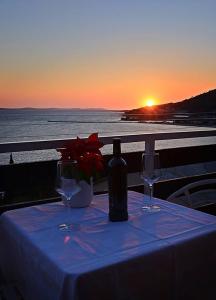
x=117, y=184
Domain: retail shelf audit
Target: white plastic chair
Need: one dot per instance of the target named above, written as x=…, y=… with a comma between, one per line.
x=204, y=193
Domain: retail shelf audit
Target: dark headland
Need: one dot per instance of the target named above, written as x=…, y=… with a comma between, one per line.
x=197, y=110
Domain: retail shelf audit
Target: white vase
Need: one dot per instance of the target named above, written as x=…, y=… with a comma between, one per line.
x=83, y=198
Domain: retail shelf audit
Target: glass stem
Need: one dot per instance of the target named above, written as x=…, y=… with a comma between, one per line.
x=151, y=192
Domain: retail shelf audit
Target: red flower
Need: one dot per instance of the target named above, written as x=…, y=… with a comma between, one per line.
x=90, y=163
x=93, y=144
x=86, y=153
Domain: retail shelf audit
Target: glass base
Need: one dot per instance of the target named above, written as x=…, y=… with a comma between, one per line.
x=68, y=226
x=151, y=208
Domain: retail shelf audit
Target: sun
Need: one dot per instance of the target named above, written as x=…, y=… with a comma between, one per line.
x=149, y=102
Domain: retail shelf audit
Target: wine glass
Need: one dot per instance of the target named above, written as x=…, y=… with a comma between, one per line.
x=150, y=173
x=67, y=180
x=67, y=186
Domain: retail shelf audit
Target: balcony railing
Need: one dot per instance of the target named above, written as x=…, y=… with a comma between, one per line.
x=33, y=178
x=148, y=138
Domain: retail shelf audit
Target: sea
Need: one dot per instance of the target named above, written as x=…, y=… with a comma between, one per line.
x=18, y=125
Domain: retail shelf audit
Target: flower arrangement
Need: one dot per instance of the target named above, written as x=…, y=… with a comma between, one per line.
x=86, y=153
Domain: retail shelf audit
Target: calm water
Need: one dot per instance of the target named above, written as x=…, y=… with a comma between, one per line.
x=43, y=124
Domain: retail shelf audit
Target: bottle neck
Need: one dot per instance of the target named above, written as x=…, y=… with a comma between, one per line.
x=116, y=147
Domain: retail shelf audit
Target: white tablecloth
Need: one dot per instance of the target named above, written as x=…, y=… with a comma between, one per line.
x=166, y=255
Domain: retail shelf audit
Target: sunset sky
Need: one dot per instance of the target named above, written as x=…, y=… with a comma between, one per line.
x=105, y=53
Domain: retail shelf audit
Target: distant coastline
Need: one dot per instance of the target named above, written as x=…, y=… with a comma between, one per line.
x=50, y=108
x=56, y=109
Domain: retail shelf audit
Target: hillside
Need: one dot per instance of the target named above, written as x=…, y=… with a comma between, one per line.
x=205, y=102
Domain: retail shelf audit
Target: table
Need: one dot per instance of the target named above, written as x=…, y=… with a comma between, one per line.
x=166, y=255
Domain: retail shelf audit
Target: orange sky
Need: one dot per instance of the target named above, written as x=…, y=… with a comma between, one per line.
x=105, y=56
x=114, y=91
